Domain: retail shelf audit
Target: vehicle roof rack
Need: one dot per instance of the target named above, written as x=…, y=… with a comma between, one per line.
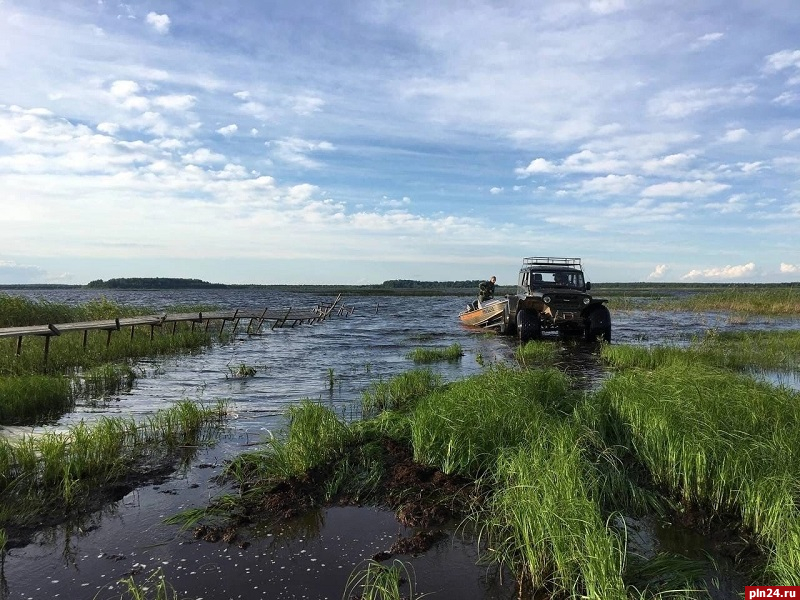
x=551, y=261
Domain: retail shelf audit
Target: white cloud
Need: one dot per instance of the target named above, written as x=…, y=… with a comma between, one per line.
x=735, y=135
x=784, y=59
x=203, y=156
x=109, y=128
x=727, y=272
x=681, y=103
x=691, y=189
x=658, y=272
x=787, y=99
x=296, y=150
x=178, y=102
x=788, y=268
x=706, y=40
x=610, y=185
x=124, y=88
x=306, y=105
x=228, y=130
x=537, y=165
x=496, y=190
x=159, y=22
x=13, y=273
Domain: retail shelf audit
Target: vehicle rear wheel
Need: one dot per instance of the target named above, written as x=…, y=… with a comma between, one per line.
x=598, y=325
x=528, y=325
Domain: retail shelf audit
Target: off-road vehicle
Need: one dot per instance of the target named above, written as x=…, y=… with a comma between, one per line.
x=553, y=296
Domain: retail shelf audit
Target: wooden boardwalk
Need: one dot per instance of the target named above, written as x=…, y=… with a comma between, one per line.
x=255, y=321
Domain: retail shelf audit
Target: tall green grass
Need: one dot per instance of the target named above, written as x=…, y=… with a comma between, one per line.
x=742, y=300
x=544, y=523
x=451, y=353
x=463, y=427
x=39, y=472
x=400, y=392
x=720, y=441
x=32, y=398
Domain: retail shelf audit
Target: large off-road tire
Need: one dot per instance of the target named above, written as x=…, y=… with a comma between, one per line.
x=528, y=325
x=508, y=325
x=598, y=325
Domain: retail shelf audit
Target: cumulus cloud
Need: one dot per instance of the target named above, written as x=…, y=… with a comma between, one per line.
x=727, y=272
x=175, y=101
x=537, y=165
x=109, y=128
x=159, y=22
x=203, y=156
x=496, y=190
x=789, y=268
x=124, y=88
x=658, y=272
x=228, y=130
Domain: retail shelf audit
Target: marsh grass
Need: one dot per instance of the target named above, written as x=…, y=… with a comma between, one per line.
x=461, y=428
x=33, y=398
x=375, y=581
x=154, y=587
x=451, y=353
x=314, y=435
x=719, y=441
x=400, y=392
x=732, y=350
x=33, y=391
x=741, y=300
x=104, y=380
x=58, y=470
x=536, y=353
x=543, y=522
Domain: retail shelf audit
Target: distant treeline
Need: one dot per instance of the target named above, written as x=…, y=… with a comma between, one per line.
x=152, y=283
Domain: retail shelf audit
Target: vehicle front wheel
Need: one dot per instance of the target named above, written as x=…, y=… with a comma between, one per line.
x=528, y=325
x=598, y=325
x=508, y=325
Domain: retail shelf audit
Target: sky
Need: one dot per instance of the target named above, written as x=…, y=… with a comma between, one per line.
x=352, y=142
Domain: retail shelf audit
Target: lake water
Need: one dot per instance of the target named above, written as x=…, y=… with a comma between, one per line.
x=315, y=559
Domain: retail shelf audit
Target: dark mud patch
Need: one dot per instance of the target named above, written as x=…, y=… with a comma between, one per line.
x=421, y=497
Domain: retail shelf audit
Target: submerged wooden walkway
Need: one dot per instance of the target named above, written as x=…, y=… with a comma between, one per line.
x=255, y=321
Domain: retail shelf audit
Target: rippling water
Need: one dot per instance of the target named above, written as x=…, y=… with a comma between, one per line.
x=364, y=346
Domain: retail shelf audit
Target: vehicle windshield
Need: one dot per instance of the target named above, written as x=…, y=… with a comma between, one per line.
x=571, y=279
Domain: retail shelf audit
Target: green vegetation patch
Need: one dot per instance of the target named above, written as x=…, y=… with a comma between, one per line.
x=46, y=477
x=452, y=353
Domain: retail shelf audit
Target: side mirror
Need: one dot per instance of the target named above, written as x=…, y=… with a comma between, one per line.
x=588, y=286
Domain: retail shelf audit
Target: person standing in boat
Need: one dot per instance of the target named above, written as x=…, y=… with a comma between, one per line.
x=486, y=289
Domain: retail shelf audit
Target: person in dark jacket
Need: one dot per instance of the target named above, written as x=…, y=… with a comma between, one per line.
x=486, y=289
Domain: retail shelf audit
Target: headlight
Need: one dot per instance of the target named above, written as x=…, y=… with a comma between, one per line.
x=546, y=299
x=586, y=300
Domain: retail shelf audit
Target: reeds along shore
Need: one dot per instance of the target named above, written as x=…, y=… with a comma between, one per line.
x=559, y=472
x=32, y=390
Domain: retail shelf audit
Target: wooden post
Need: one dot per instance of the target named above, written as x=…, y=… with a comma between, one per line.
x=19, y=345
x=46, y=347
x=261, y=320
x=281, y=321
x=85, y=338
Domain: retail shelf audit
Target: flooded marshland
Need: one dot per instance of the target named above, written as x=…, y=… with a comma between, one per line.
x=334, y=363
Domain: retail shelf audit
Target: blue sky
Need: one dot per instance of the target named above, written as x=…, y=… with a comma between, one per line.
x=262, y=141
